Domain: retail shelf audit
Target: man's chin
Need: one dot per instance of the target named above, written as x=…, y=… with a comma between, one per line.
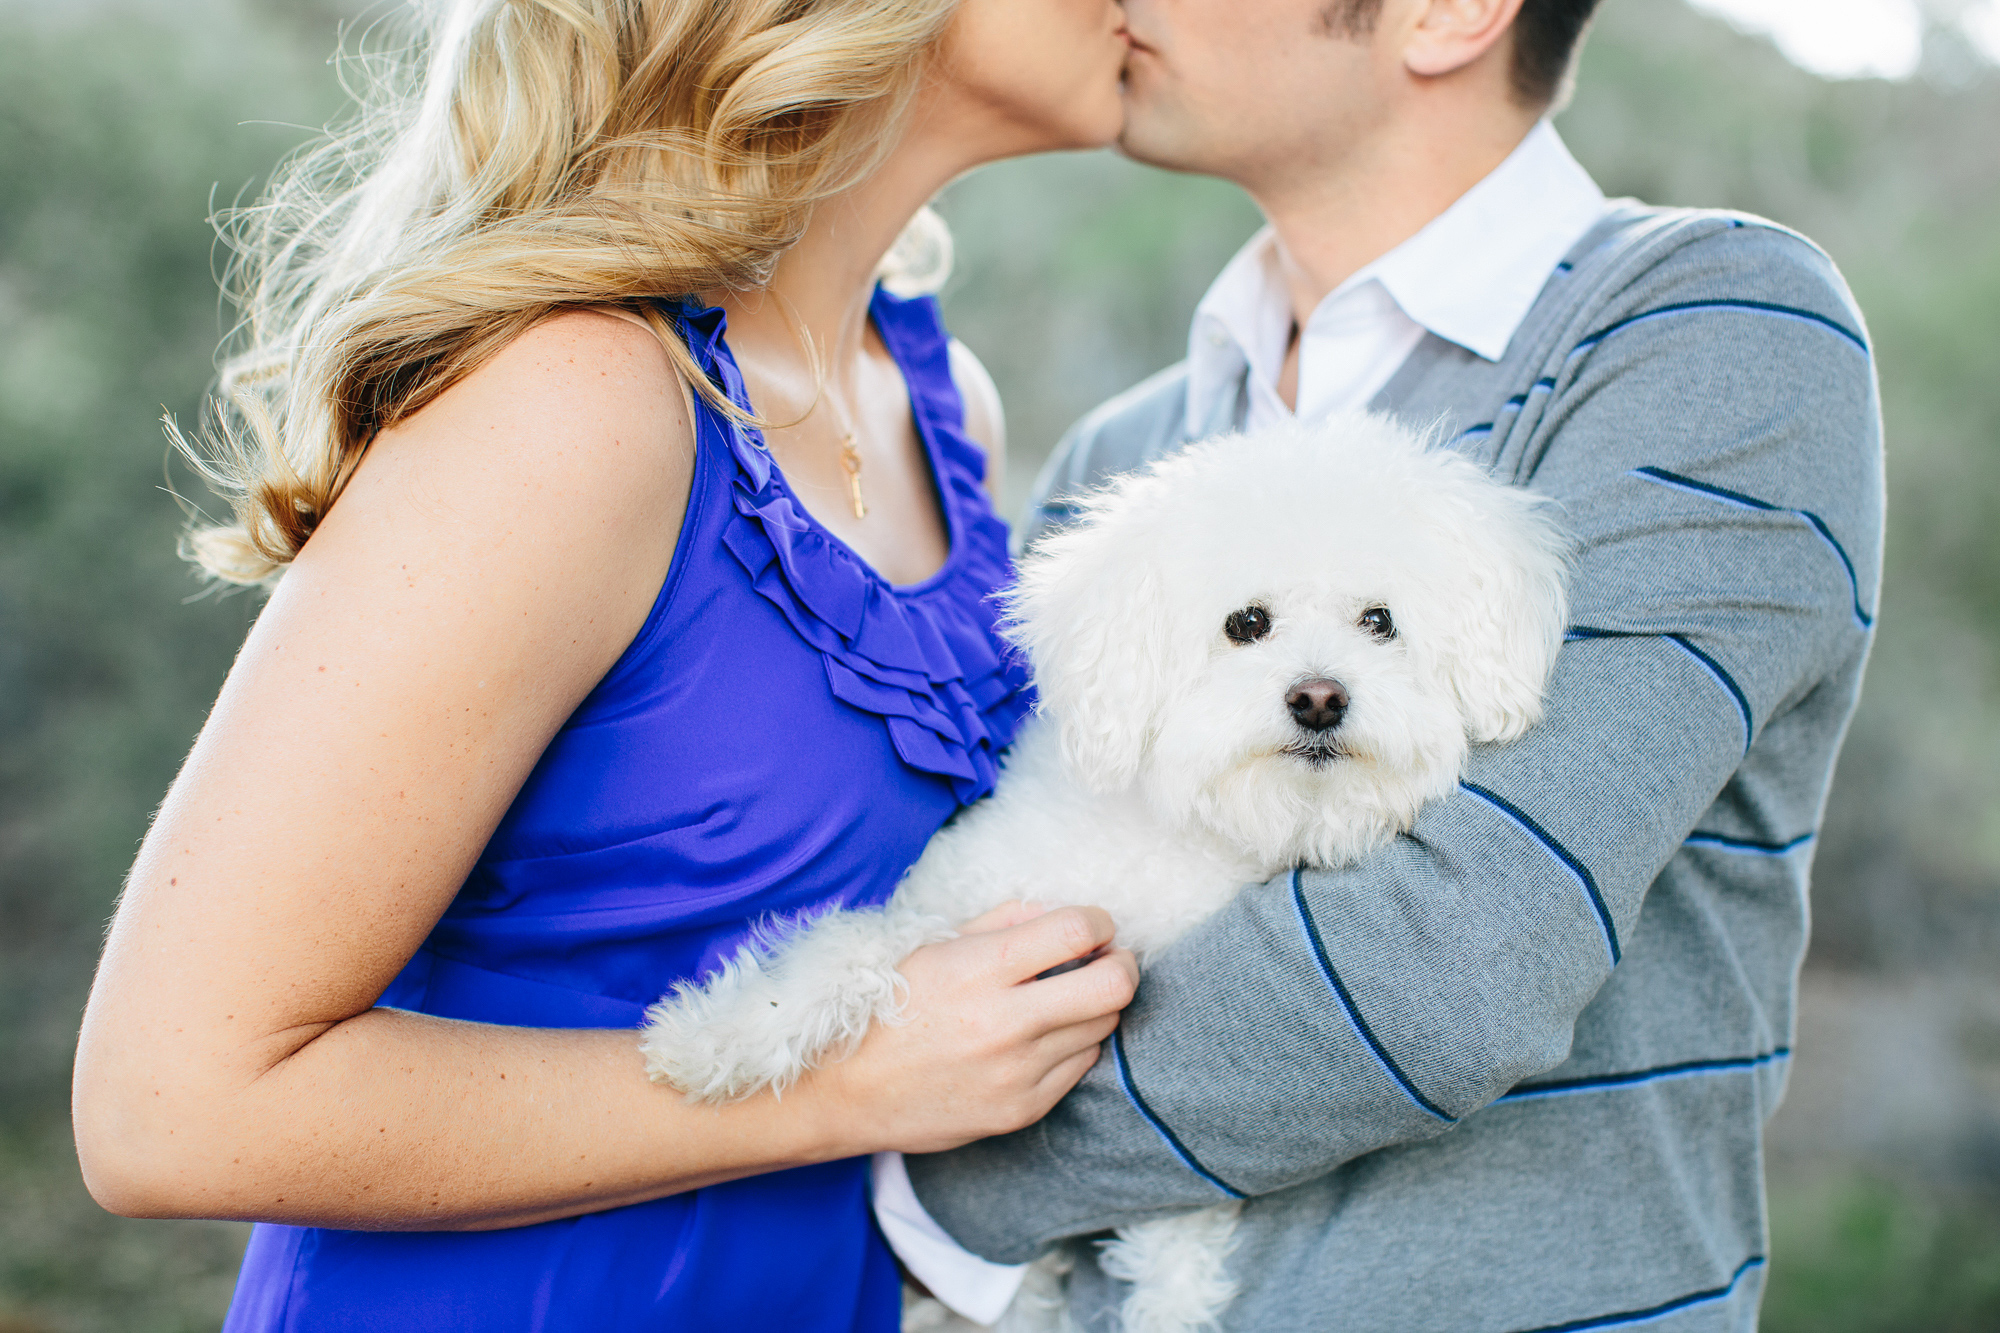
x=1143, y=142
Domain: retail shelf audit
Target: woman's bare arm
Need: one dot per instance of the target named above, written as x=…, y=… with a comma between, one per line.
x=488, y=564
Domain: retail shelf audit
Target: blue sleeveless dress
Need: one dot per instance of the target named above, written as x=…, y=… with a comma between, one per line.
x=785, y=732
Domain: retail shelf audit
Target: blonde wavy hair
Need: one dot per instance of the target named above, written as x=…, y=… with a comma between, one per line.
x=510, y=158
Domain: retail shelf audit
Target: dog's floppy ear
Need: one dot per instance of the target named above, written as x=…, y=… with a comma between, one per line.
x=1509, y=607
x=1090, y=611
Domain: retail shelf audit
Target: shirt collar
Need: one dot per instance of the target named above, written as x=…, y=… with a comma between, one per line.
x=1470, y=276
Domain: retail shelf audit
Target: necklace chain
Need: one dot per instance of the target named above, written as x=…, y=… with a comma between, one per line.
x=850, y=454
x=850, y=463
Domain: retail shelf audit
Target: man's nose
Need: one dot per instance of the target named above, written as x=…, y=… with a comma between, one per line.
x=1317, y=704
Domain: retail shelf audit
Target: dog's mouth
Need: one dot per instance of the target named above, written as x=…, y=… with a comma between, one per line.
x=1318, y=752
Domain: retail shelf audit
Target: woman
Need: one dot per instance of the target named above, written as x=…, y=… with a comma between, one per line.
x=575, y=675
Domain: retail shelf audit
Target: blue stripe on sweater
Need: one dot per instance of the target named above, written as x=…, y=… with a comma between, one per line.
x=1174, y=1145
x=1752, y=307
x=1347, y=1005
x=1748, y=846
x=1520, y=400
x=1663, y=477
x=1571, y=1087
x=1555, y=849
x=1631, y=1317
x=1581, y=633
x=1714, y=669
x=1724, y=679
x=1514, y=404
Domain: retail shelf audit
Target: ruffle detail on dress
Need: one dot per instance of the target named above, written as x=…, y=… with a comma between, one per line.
x=928, y=660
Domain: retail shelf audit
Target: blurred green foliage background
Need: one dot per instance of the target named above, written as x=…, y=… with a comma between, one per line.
x=124, y=122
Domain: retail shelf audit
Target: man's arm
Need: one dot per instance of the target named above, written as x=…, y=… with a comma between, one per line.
x=1717, y=453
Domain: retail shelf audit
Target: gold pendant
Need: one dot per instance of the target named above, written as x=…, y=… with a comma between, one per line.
x=850, y=463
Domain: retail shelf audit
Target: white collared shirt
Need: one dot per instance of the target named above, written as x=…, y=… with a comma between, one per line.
x=1470, y=278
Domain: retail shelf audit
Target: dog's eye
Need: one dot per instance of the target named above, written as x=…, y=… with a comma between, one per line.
x=1248, y=625
x=1376, y=621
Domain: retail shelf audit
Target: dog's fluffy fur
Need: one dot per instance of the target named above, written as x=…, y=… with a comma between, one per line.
x=1167, y=768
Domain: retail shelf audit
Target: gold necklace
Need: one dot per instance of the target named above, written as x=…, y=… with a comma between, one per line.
x=850, y=454
x=850, y=463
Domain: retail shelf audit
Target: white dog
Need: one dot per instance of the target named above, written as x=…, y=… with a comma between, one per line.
x=1263, y=651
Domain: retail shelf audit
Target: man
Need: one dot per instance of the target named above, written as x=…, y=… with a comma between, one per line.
x=1511, y=1073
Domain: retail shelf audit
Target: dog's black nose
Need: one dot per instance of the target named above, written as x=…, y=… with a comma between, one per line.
x=1318, y=704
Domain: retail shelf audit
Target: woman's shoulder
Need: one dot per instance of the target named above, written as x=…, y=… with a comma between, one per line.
x=985, y=421
x=603, y=358
x=549, y=484
x=583, y=406
x=607, y=354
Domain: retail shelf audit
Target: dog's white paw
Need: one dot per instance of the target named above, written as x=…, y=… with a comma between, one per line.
x=785, y=1004
x=1178, y=1268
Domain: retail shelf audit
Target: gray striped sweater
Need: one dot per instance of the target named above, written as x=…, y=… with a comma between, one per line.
x=1512, y=1072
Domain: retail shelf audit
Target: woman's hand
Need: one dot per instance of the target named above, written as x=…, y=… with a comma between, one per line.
x=985, y=1047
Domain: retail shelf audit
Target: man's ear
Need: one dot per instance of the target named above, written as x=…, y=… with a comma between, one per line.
x=1447, y=35
x=1088, y=610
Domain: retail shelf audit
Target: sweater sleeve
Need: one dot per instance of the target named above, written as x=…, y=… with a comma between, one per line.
x=1714, y=440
